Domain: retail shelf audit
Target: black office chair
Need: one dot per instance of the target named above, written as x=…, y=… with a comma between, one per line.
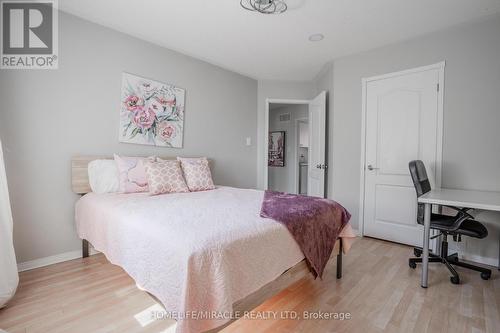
x=461, y=224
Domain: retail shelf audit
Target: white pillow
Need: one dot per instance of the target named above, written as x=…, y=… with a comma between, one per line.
x=104, y=176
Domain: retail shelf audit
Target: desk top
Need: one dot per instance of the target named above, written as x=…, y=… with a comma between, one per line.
x=463, y=198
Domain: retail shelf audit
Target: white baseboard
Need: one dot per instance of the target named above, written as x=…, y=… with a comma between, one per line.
x=466, y=251
x=41, y=262
x=46, y=261
x=479, y=259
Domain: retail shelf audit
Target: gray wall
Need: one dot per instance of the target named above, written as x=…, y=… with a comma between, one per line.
x=46, y=117
x=471, y=152
x=283, y=178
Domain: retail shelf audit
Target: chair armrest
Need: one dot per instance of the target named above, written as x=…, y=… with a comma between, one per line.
x=461, y=216
x=461, y=211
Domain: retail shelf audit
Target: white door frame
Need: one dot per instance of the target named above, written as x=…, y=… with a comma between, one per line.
x=439, y=151
x=266, y=130
x=297, y=158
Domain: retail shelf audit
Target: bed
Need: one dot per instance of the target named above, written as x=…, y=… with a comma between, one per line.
x=204, y=255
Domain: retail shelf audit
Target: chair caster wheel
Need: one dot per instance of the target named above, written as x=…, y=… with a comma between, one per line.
x=412, y=264
x=455, y=279
x=417, y=253
x=485, y=276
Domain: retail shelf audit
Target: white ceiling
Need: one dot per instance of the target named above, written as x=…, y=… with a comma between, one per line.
x=277, y=46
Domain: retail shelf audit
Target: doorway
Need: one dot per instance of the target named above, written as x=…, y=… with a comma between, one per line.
x=295, y=146
x=402, y=121
x=285, y=161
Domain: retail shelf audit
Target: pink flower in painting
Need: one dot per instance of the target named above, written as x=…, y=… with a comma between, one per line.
x=166, y=131
x=132, y=102
x=144, y=117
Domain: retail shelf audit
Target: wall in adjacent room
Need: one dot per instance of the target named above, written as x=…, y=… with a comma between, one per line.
x=48, y=116
x=283, y=178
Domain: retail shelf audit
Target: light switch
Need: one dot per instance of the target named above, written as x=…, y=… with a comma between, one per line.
x=249, y=141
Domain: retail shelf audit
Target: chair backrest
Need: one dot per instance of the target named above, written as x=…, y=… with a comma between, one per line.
x=421, y=183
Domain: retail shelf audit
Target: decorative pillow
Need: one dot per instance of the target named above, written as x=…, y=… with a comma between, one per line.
x=197, y=173
x=132, y=173
x=103, y=176
x=165, y=177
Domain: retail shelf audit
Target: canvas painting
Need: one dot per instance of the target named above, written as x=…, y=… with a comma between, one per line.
x=276, y=149
x=152, y=113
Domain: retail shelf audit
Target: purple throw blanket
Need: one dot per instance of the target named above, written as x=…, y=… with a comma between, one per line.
x=314, y=223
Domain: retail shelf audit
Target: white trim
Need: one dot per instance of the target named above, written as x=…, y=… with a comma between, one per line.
x=479, y=259
x=361, y=214
x=287, y=101
x=46, y=261
x=440, y=65
x=297, y=159
x=439, y=151
x=440, y=125
x=434, y=243
x=266, y=130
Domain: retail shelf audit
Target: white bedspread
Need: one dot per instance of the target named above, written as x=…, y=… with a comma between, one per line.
x=199, y=251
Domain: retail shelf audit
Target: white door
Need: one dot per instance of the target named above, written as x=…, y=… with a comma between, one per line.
x=317, y=146
x=401, y=125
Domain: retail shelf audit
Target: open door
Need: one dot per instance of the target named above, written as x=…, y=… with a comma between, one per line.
x=317, y=146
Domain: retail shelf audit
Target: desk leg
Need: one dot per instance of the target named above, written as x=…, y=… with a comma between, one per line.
x=425, y=248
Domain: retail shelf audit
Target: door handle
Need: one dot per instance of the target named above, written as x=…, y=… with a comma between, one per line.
x=371, y=167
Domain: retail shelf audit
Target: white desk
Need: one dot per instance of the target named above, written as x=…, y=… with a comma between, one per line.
x=460, y=198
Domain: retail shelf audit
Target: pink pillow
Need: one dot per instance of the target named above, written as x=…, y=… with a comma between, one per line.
x=165, y=177
x=197, y=173
x=132, y=173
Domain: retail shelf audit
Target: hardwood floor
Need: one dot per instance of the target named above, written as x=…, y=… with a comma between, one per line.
x=378, y=290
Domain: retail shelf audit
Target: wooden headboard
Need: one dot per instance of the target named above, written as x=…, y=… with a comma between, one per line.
x=79, y=173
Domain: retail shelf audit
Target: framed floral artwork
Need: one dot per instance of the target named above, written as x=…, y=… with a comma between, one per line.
x=151, y=113
x=276, y=149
